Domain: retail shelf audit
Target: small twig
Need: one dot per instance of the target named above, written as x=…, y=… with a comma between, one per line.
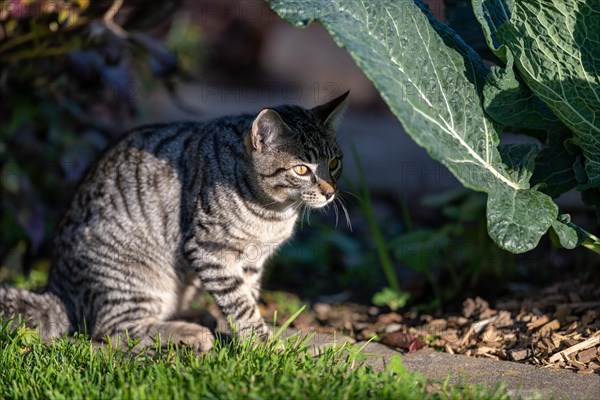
x=57, y=51
x=109, y=19
x=17, y=41
x=479, y=325
x=586, y=344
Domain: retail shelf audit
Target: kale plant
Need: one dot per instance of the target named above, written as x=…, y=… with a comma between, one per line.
x=455, y=106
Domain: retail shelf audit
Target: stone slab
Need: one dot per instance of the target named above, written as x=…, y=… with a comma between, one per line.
x=521, y=380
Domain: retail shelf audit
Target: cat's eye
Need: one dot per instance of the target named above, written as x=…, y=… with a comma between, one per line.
x=301, y=170
x=334, y=164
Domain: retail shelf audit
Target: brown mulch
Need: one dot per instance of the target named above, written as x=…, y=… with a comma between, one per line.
x=557, y=327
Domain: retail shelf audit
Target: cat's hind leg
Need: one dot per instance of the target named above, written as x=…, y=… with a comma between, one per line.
x=146, y=314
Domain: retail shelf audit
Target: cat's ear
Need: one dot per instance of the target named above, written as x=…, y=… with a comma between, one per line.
x=330, y=112
x=267, y=126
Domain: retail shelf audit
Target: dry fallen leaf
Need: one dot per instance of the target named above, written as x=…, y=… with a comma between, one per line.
x=401, y=340
x=415, y=345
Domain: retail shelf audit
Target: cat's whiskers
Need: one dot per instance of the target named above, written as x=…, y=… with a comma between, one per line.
x=337, y=215
x=302, y=213
x=353, y=195
x=296, y=205
x=343, y=205
x=299, y=208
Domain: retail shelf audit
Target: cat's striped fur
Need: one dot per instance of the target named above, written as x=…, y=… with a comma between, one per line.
x=171, y=204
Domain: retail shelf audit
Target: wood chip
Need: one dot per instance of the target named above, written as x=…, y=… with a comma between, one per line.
x=557, y=327
x=519, y=355
x=393, y=327
x=467, y=337
x=524, y=317
x=574, y=325
x=543, y=320
x=548, y=344
x=389, y=318
x=479, y=325
x=595, y=365
x=551, y=326
x=504, y=319
x=322, y=311
x=474, y=307
x=451, y=336
x=586, y=371
x=591, y=341
x=487, y=313
x=586, y=356
x=437, y=325
x=484, y=350
x=491, y=335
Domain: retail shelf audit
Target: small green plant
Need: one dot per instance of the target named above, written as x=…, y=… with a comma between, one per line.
x=394, y=299
x=455, y=107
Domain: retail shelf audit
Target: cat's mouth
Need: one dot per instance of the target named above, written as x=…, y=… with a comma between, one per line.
x=318, y=203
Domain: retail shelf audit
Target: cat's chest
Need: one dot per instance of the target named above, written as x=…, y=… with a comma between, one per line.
x=268, y=232
x=267, y=238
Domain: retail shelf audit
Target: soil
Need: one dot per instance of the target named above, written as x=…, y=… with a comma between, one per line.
x=554, y=327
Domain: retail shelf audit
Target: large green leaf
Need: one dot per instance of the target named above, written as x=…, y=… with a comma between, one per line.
x=520, y=160
x=432, y=82
x=556, y=45
x=492, y=14
x=567, y=234
x=507, y=211
x=508, y=101
x=506, y=98
x=554, y=169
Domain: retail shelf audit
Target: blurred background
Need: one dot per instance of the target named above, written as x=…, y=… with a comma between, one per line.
x=74, y=75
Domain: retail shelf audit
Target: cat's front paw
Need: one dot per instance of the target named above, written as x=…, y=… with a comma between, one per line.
x=195, y=336
x=260, y=332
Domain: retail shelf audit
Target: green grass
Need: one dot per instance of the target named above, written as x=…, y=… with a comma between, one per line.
x=74, y=368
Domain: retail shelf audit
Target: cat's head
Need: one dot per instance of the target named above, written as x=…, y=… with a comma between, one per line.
x=296, y=158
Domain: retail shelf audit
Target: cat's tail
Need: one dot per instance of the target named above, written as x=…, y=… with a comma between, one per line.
x=45, y=311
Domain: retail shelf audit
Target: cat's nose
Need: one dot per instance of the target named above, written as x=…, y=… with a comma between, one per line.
x=327, y=189
x=328, y=193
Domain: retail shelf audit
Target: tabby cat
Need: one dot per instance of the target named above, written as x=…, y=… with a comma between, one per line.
x=172, y=204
